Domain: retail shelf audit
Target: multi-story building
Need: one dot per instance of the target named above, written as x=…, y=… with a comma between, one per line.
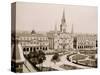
x=63, y=41
x=51, y=36
x=31, y=42
x=85, y=41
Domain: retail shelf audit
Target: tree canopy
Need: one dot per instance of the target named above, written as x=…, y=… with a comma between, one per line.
x=55, y=58
x=36, y=57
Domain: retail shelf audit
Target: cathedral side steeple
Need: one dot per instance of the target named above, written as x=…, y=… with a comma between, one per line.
x=72, y=31
x=56, y=27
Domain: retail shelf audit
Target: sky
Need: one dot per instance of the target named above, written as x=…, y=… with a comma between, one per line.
x=43, y=17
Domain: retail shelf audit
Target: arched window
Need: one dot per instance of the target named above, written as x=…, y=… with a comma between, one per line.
x=27, y=49
x=43, y=48
x=37, y=48
x=31, y=49
x=34, y=49
x=46, y=48
x=24, y=49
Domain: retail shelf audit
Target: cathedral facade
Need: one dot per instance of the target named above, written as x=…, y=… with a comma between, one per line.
x=63, y=40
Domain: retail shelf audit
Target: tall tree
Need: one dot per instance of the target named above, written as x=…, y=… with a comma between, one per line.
x=37, y=57
x=55, y=58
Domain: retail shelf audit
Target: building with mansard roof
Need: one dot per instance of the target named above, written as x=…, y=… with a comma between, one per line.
x=85, y=43
x=33, y=41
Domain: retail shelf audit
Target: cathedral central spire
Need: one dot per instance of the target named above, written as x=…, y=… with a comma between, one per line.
x=63, y=17
x=63, y=23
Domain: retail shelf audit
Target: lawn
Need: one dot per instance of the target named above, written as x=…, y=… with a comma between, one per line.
x=91, y=63
x=78, y=57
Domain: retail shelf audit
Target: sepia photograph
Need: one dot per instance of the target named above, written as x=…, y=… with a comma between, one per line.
x=53, y=37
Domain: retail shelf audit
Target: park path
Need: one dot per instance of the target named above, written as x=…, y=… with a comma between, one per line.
x=73, y=64
x=48, y=63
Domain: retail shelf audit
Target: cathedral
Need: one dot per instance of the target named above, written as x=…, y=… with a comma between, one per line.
x=63, y=40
